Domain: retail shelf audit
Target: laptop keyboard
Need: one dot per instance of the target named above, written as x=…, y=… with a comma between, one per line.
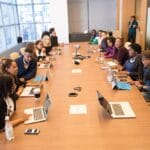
x=37, y=114
x=117, y=109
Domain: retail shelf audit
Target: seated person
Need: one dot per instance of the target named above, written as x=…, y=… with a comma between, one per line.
x=46, y=41
x=99, y=38
x=54, y=39
x=27, y=65
x=51, y=30
x=144, y=85
x=121, y=53
x=40, y=50
x=93, y=39
x=110, y=34
x=110, y=51
x=7, y=104
x=1, y=63
x=10, y=67
x=134, y=64
x=31, y=46
x=103, y=44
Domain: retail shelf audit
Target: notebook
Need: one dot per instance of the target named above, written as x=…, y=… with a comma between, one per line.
x=38, y=114
x=116, y=109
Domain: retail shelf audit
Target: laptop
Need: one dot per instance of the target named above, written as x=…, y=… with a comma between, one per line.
x=38, y=114
x=28, y=91
x=116, y=109
x=44, y=66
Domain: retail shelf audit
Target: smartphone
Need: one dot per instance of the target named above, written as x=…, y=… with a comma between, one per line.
x=32, y=131
x=72, y=94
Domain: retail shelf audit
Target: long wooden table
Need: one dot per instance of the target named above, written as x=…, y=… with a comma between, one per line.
x=92, y=131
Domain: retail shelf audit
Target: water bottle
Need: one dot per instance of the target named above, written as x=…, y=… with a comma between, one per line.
x=110, y=75
x=9, y=133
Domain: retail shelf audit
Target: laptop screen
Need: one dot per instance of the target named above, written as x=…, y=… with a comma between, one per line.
x=46, y=105
x=104, y=103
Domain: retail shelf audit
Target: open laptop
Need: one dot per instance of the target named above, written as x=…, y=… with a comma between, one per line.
x=116, y=109
x=28, y=91
x=44, y=66
x=38, y=114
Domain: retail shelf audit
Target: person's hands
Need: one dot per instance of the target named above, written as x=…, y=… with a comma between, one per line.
x=125, y=73
x=20, y=90
x=138, y=84
x=22, y=79
x=25, y=117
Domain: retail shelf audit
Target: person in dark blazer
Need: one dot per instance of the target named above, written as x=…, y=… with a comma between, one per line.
x=27, y=65
x=54, y=39
x=7, y=104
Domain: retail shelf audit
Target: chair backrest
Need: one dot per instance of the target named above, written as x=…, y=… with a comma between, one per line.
x=14, y=55
x=22, y=50
x=126, y=45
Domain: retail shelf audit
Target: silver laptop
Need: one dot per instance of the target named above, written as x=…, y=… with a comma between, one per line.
x=28, y=91
x=116, y=109
x=38, y=114
x=44, y=66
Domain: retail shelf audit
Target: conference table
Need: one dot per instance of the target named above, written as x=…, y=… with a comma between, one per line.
x=94, y=130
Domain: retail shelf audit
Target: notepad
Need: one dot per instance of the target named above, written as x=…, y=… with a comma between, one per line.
x=76, y=70
x=111, y=64
x=77, y=109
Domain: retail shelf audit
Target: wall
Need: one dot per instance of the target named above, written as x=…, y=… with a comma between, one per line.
x=59, y=15
x=142, y=20
x=102, y=14
x=92, y=14
x=128, y=10
x=78, y=15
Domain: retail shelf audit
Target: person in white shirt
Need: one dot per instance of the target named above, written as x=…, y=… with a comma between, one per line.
x=40, y=51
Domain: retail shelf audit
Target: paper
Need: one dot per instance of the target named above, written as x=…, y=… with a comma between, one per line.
x=76, y=70
x=111, y=64
x=77, y=109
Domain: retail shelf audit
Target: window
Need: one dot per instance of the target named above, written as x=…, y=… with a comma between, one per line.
x=34, y=18
x=1, y=19
x=2, y=40
x=27, y=32
x=10, y=36
x=41, y=1
x=26, y=18
x=8, y=22
x=7, y=12
x=23, y=1
x=40, y=28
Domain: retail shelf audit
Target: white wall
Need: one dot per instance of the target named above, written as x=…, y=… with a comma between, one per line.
x=78, y=15
x=92, y=14
x=59, y=15
x=102, y=14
